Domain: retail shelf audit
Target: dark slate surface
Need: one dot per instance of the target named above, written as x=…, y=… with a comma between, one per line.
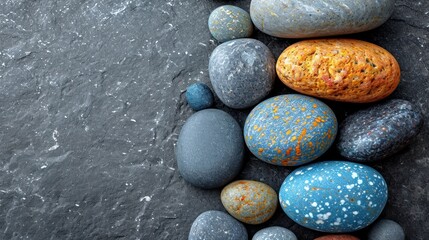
x=91, y=104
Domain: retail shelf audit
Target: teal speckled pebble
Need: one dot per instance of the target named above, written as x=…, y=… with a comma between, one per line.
x=230, y=22
x=333, y=196
x=290, y=130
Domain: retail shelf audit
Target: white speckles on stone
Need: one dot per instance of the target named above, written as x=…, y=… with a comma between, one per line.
x=337, y=221
x=306, y=188
x=297, y=211
x=320, y=221
x=320, y=179
x=311, y=215
x=339, y=174
x=350, y=186
x=344, y=209
x=327, y=204
x=359, y=181
x=342, y=201
x=287, y=202
x=371, y=183
x=314, y=204
x=306, y=181
x=299, y=173
x=354, y=175
x=355, y=212
x=359, y=202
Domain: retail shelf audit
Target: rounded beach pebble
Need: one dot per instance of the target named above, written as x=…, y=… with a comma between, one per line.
x=199, y=96
x=316, y=18
x=274, y=233
x=210, y=149
x=230, y=22
x=249, y=201
x=337, y=237
x=379, y=131
x=344, y=70
x=386, y=229
x=216, y=225
x=334, y=196
x=242, y=72
x=290, y=130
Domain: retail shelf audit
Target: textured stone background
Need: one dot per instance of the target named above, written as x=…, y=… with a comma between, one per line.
x=91, y=104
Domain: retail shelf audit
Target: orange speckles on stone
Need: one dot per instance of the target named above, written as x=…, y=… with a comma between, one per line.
x=260, y=151
x=275, y=109
x=285, y=162
x=339, y=69
x=288, y=132
x=255, y=127
x=276, y=117
x=288, y=151
x=293, y=139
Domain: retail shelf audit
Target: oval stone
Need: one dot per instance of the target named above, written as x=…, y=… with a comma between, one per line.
x=242, y=72
x=290, y=130
x=210, y=149
x=386, y=229
x=379, y=131
x=216, y=225
x=316, y=18
x=249, y=201
x=345, y=70
x=337, y=237
x=334, y=196
x=230, y=22
x=274, y=233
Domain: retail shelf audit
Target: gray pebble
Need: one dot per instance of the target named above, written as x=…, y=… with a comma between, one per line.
x=242, y=72
x=210, y=149
x=274, y=233
x=216, y=225
x=386, y=229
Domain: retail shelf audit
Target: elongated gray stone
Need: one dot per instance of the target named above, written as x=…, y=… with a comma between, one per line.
x=316, y=18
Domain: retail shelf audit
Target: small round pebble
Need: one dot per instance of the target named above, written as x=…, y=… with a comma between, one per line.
x=274, y=233
x=216, y=225
x=334, y=196
x=199, y=96
x=242, y=72
x=249, y=201
x=337, y=237
x=386, y=229
x=210, y=149
x=230, y=22
x=379, y=131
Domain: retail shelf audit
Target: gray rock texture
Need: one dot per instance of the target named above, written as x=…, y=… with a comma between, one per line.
x=242, y=72
x=386, y=229
x=92, y=101
x=274, y=233
x=217, y=225
x=318, y=18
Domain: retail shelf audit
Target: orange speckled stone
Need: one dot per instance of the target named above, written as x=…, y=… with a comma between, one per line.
x=337, y=237
x=344, y=70
x=249, y=201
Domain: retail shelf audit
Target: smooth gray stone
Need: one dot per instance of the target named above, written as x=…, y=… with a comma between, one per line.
x=386, y=229
x=242, y=72
x=317, y=18
x=274, y=233
x=217, y=225
x=210, y=149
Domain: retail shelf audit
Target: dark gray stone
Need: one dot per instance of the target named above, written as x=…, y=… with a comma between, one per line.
x=230, y=22
x=110, y=77
x=274, y=233
x=379, y=131
x=242, y=72
x=217, y=225
x=199, y=96
x=210, y=149
x=386, y=229
x=317, y=18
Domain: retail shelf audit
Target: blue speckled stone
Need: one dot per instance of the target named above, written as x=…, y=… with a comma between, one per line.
x=199, y=96
x=210, y=149
x=216, y=225
x=316, y=18
x=290, y=130
x=379, y=131
x=242, y=72
x=274, y=233
x=230, y=22
x=334, y=196
x=386, y=229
